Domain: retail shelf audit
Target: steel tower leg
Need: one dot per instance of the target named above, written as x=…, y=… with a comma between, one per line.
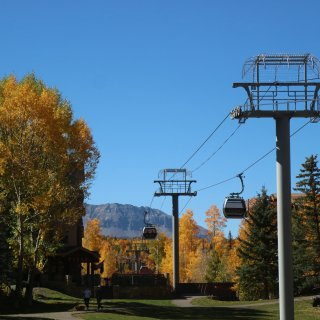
x=175, y=239
x=286, y=302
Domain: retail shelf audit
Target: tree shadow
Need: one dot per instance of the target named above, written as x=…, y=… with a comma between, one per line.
x=38, y=307
x=192, y=313
x=22, y=318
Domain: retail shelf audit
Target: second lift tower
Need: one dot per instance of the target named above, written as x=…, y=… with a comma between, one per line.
x=174, y=183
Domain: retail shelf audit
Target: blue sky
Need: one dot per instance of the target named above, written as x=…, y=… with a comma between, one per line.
x=154, y=78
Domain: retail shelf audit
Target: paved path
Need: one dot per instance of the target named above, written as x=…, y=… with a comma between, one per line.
x=185, y=302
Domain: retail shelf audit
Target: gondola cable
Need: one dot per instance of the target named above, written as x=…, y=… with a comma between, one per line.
x=274, y=148
x=185, y=205
x=203, y=143
x=254, y=163
x=231, y=178
x=215, y=152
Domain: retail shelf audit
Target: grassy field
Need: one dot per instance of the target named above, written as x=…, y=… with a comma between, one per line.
x=202, y=309
x=45, y=300
x=303, y=309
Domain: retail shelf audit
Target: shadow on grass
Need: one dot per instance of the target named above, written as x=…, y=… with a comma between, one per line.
x=22, y=318
x=194, y=313
x=39, y=307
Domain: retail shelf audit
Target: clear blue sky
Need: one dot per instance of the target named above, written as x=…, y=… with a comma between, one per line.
x=154, y=78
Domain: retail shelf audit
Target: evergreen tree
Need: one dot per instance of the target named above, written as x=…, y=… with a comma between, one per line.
x=216, y=271
x=307, y=218
x=302, y=267
x=258, y=271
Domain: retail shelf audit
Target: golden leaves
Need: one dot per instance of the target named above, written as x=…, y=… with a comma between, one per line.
x=43, y=159
x=92, y=235
x=215, y=222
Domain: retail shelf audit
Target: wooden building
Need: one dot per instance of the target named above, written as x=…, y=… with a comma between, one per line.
x=72, y=265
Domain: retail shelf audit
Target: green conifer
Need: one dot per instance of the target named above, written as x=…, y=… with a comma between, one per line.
x=306, y=234
x=258, y=272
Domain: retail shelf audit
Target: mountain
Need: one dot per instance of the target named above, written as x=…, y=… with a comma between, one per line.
x=127, y=221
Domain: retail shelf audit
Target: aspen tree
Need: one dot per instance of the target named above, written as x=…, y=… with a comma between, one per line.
x=48, y=161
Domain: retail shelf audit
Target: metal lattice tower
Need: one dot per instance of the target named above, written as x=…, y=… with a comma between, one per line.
x=282, y=83
x=178, y=186
x=281, y=86
x=175, y=183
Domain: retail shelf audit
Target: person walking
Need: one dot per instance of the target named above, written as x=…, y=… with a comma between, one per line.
x=86, y=297
x=99, y=297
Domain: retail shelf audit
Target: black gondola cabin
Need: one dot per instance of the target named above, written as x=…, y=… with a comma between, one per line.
x=234, y=207
x=150, y=232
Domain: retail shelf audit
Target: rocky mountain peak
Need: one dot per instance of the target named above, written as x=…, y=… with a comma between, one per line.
x=127, y=221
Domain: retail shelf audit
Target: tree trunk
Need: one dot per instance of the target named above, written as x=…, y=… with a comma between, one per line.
x=29, y=289
x=19, y=278
x=31, y=273
x=266, y=290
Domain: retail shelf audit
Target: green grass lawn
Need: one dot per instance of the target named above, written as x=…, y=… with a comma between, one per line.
x=203, y=308
x=303, y=309
x=142, y=311
x=45, y=300
x=207, y=302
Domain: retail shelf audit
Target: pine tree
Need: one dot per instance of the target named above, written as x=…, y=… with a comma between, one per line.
x=214, y=267
x=302, y=266
x=258, y=271
x=307, y=217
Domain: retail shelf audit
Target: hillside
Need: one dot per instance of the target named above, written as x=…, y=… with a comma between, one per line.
x=127, y=221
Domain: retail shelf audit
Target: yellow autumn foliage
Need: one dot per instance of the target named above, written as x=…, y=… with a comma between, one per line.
x=47, y=163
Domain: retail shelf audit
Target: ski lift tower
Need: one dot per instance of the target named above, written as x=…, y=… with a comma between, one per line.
x=175, y=185
x=281, y=86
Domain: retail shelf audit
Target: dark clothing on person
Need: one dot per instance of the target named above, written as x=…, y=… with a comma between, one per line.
x=86, y=297
x=99, y=298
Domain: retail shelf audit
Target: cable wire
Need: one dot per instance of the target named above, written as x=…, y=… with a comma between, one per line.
x=270, y=151
x=203, y=143
x=214, y=153
x=150, y=206
x=255, y=162
x=163, y=201
x=185, y=205
x=216, y=184
x=261, y=158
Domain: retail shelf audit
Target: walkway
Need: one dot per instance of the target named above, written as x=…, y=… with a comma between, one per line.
x=185, y=302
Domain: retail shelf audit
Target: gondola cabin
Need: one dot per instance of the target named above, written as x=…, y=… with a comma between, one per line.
x=150, y=232
x=234, y=207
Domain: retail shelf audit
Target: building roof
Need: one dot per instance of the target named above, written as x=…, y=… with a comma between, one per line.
x=79, y=253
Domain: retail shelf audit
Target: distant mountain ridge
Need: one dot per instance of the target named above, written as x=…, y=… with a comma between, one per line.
x=127, y=221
